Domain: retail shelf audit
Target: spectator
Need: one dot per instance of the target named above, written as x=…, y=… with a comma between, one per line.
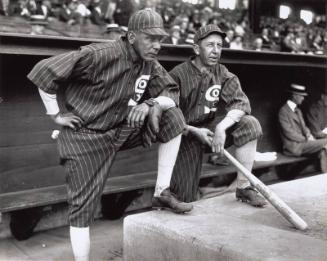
x=124, y=9
x=96, y=16
x=266, y=40
x=229, y=38
x=296, y=136
x=114, y=31
x=68, y=13
x=174, y=36
x=237, y=43
x=35, y=7
x=317, y=45
x=257, y=44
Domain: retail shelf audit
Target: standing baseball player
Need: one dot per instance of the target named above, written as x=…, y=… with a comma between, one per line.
x=207, y=89
x=117, y=96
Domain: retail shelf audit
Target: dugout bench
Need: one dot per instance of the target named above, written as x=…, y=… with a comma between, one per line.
x=30, y=175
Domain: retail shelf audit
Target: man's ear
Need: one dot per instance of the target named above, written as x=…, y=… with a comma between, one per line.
x=196, y=49
x=131, y=37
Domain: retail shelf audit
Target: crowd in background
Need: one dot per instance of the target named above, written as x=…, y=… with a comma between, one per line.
x=182, y=20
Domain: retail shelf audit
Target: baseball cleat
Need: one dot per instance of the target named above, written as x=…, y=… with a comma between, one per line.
x=251, y=196
x=169, y=201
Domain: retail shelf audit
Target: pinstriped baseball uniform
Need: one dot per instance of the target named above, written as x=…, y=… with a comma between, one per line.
x=202, y=95
x=102, y=82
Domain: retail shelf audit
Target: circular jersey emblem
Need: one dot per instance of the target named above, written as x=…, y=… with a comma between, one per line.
x=212, y=94
x=140, y=86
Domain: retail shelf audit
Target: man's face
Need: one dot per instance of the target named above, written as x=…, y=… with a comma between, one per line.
x=209, y=50
x=298, y=99
x=146, y=45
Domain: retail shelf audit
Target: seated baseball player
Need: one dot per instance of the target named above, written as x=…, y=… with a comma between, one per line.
x=207, y=89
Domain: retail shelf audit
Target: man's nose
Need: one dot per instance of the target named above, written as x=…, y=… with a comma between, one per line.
x=156, y=45
x=215, y=49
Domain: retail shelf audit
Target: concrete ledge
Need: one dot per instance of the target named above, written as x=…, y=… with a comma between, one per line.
x=223, y=229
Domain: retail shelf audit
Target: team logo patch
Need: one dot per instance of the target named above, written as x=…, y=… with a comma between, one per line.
x=140, y=86
x=212, y=94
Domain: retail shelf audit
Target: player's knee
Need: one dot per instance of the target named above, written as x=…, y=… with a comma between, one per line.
x=172, y=124
x=253, y=126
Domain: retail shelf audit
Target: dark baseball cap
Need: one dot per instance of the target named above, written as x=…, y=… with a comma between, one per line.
x=147, y=21
x=205, y=30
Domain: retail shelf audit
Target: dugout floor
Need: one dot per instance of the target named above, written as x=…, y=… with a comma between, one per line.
x=106, y=240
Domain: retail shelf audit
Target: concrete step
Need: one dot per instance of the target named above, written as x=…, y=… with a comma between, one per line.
x=223, y=229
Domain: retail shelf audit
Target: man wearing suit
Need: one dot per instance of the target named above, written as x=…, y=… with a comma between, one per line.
x=296, y=136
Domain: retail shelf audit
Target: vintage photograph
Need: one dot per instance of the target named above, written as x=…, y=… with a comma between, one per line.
x=163, y=130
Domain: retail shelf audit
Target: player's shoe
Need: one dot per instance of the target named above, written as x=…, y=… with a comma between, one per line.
x=167, y=200
x=250, y=196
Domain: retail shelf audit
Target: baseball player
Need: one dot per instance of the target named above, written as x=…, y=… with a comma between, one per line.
x=207, y=88
x=117, y=96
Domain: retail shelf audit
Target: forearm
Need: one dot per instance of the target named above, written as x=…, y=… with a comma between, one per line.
x=188, y=129
x=235, y=115
x=225, y=123
x=50, y=102
x=165, y=102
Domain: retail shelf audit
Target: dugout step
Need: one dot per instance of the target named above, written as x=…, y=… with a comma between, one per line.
x=222, y=228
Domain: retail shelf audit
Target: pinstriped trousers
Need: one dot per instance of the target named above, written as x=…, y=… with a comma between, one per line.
x=187, y=170
x=87, y=157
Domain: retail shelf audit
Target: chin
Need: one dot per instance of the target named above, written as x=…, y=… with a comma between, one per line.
x=150, y=58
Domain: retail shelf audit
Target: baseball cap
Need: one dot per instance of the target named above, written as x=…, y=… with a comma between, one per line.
x=298, y=89
x=147, y=21
x=205, y=30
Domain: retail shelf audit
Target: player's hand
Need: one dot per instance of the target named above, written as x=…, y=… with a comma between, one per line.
x=218, y=141
x=137, y=115
x=67, y=119
x=203, y=134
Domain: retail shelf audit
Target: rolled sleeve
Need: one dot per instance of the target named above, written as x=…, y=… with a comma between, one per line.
x=50, y=73
x=233, y=95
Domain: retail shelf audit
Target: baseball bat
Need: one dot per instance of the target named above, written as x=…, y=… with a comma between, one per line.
x=271, y=196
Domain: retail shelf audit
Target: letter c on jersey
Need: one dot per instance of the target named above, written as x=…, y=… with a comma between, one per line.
x=212, y=94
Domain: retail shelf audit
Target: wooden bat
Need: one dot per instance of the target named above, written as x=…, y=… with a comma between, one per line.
x=277, y=202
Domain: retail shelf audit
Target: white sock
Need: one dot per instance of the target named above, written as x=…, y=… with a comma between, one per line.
x=245, y=155
x=80, y=241
x=167, y=155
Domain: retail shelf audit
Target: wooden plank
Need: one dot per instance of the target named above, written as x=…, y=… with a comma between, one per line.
x=22, y=109
x=29, y=124
x=41, y=155
x=8, y=139
x=57, y=194
x=31, y=177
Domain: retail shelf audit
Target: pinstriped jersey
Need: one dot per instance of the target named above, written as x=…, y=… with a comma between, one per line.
x=102, y=81
x=201, y=92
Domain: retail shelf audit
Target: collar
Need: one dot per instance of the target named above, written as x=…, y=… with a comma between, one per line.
x=201, y=70
x=292, y=105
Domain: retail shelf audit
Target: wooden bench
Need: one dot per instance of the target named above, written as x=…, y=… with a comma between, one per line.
x=50, y=195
